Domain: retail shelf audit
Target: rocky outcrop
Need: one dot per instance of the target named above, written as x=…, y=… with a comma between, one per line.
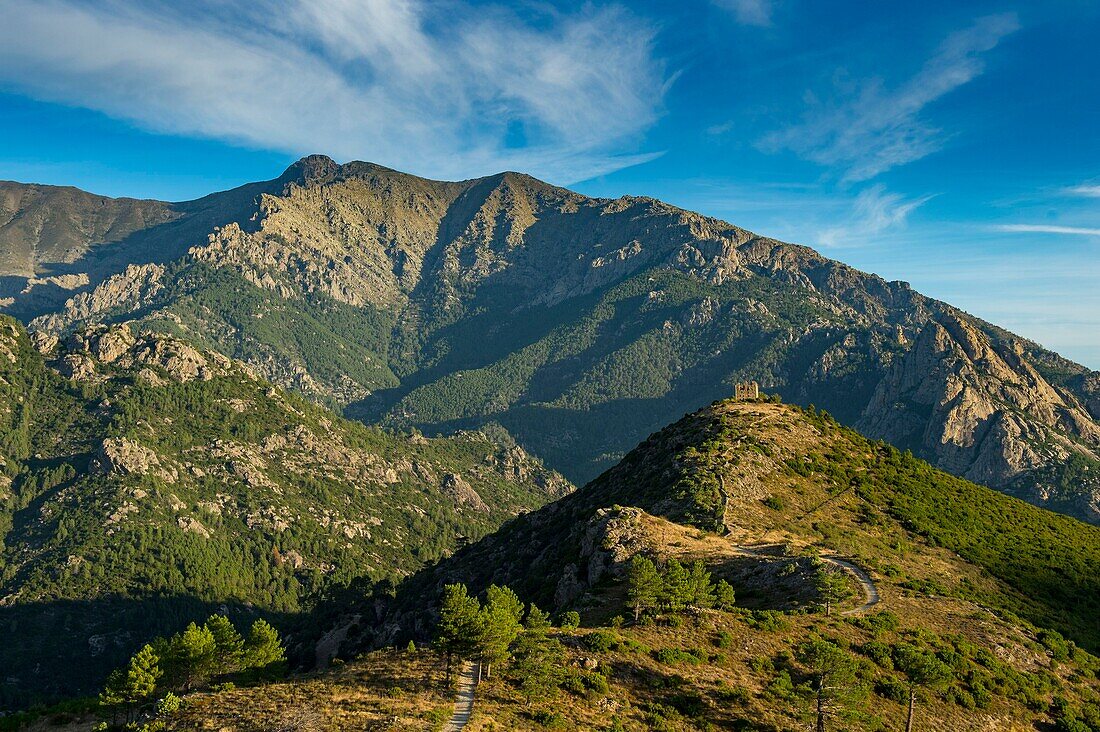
x=119, y=456
x=459, y=491
x=92, y=351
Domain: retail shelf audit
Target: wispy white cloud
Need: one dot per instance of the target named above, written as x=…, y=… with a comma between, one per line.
x=1048, y=229
x=1084, y=190
x=874, y=211
x=749, y=12
x=874, y=128
x=565, y=96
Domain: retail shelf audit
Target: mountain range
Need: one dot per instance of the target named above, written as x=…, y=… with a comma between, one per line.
x=579, y=325
x=297, y=399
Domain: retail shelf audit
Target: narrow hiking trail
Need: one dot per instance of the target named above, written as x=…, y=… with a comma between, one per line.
x=464, y=702
x=870, y=591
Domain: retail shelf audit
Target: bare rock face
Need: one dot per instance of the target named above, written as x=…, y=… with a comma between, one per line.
x=611, y=537
x=44, y=342
x=120, y=456
x=181, y=361
x=88, y=352
x=193, y=525
x=464, y=496
x=108, y=345
x=77, y=366
x=975, y=408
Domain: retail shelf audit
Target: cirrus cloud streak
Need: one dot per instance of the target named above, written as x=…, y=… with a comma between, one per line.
x=565, y=96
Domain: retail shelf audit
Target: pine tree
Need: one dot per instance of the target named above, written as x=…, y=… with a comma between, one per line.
x=537, y=622
x=134, y=683
x=263, y=646
x=677, y=586
x=700, y=588
x=539, y=666
x=459, y=625
x=142, y=675
x=228, y=644
x=113, y=692
x=724, y=597
x=500, y=625
x=833, y=678
x=832, y=584
x=193, y=652
x=644, y=585
x=923, y=669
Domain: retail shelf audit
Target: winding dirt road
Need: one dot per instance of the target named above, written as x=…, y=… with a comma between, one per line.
x=870, y=591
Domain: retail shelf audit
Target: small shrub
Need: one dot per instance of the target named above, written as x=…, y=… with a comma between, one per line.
x=168, y=705
x=775, y=503
x=880, y=653
x=600, y=641
x=768, y=620
x=879, y=622
x=676, y=655
x=570, y=620
x=889, y=687
x=690, y=704
x=550, y=720
x=733, y=695
x=781, y=686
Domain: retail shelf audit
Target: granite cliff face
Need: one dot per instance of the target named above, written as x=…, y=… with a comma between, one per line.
x=579, y=324
x=981, y=411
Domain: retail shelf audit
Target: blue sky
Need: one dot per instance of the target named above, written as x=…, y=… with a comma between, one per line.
x=951, y=145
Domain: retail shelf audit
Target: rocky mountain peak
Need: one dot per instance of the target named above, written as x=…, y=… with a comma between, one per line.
x=312, y=170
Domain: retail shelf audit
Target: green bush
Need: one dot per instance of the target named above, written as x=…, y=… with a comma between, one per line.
x=601, y=641
x=775, y=503
x=677, y=655
x=880, y=653
x=569, y=620
x=768, y=620
x=549, y=719
x=879, y=622
x=892, y=688
x=168, y=704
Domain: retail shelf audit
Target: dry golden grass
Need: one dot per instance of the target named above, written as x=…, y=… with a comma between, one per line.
x=383, y=690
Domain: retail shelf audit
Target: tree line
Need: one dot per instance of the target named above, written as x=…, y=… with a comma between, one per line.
x=674, y=587
x=187, y=660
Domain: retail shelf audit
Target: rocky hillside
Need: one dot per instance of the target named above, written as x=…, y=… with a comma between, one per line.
x=145, y=481
x=765, y=495
x=580, y=324
x=762, y=473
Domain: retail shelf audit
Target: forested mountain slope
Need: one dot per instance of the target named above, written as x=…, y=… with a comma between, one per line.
x=582, y=324
x=145, y=482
